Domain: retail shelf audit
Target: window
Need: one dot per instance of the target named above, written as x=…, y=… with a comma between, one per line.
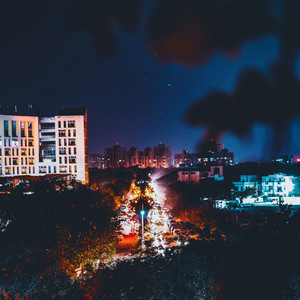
x=23, y=129
x=59, y=124
x=72, y=160
x=15, y=161
x=65, y=142
x=66, y=160
x=60, y=160
x=62, y=133
x=7, y=152
x=6, y=128
x=15, y=142
x=75, y=150
x=59, y=142
x=23, y=151
x=72, y=142
x=31, y=161
x=74, y=132
x=62, y=151
x=24, y=170
x=63, y=169
x=30, y=143
x=70, y=151
x=69, y=132
x=14, y=129
x=71, y=123
x=7, y=170
x=65, y=124
x=30, y=129
x=48, y=152
x=48, y=134
x=42, y=169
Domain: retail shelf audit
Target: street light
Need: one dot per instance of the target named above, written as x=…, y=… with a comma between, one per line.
x=142, y=213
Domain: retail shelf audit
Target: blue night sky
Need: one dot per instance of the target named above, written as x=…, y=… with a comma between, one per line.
x=133, y=98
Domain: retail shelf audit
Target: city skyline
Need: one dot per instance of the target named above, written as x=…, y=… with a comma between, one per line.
x=133, y=98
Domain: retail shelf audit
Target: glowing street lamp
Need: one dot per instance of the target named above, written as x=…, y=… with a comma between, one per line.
x=142, y=213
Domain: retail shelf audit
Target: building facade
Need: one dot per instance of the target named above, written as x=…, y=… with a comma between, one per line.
x=38, y=146
x=115, y=157
x=247, y=182
x=195, y=175
x=211, y=154
x=97, y=161
x=158, y=157
x=272, y=185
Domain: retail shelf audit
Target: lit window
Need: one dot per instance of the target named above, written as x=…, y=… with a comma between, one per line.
x=23, y=129
x=15, y=143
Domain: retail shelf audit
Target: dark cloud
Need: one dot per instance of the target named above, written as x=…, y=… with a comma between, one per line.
x=190, y=31
x=100, y=17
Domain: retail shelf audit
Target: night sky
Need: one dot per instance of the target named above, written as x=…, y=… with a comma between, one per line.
x=134, y=98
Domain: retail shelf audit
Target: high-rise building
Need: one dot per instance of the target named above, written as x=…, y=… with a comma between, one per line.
x=132, y=158
x=159, y=157
x=162, y=156
x=211, y=154
x=146, y=158
x=97, y=161
x=115, y=157
x=36, y=146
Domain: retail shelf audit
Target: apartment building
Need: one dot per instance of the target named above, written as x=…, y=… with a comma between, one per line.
x=195, y=175
x=211, y=154
x=271, y=185
x=38, y=146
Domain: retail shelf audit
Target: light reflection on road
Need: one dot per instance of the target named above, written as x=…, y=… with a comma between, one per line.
x=158, y=229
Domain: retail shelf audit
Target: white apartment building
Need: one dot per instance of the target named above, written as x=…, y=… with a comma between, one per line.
x=38, y=146
x=272, y=185
x=278, y=184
